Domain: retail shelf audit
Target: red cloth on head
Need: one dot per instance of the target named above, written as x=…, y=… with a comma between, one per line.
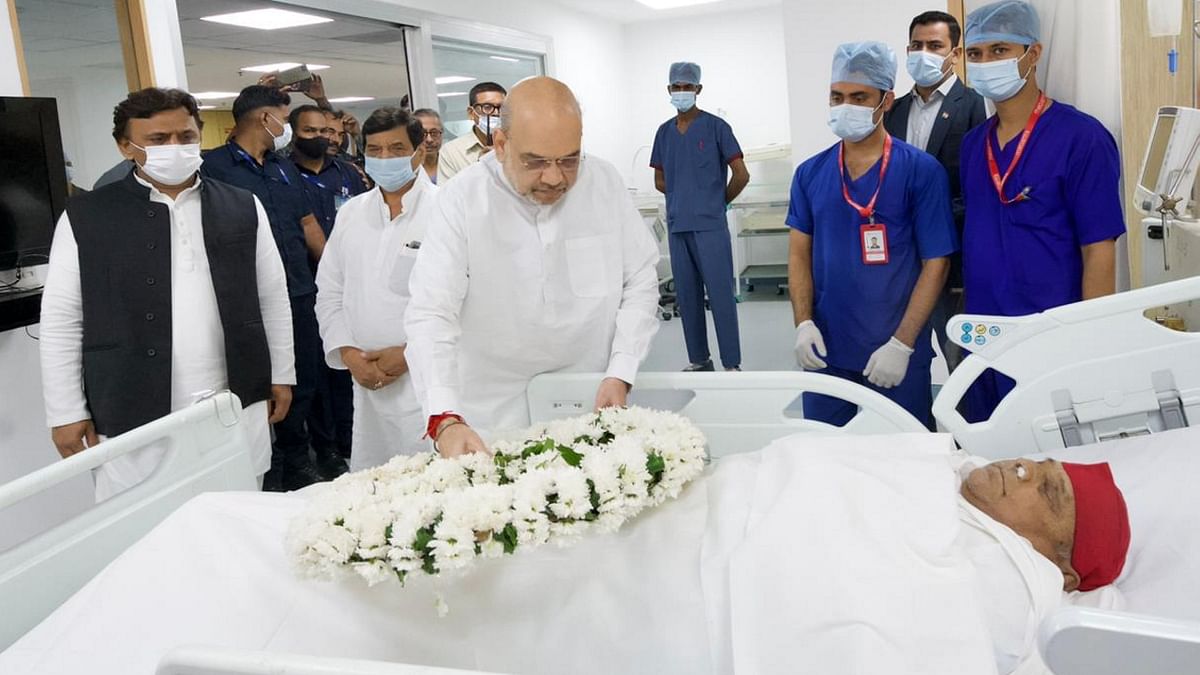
x=1101, y=525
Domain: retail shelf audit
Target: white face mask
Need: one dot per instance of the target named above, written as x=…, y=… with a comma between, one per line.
x=853, y=122
x=171, y=164
x=488, y=124
x=926, y=68
x=998, y=80
x=281, y=141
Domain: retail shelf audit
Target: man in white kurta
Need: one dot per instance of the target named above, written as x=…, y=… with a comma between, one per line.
x=535, y=262
x=197, y=348
x=362, y=287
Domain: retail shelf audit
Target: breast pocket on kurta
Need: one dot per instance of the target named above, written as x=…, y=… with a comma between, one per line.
x=586, y=266
x=402, y=270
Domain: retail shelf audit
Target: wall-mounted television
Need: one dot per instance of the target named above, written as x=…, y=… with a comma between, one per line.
x=33, y=179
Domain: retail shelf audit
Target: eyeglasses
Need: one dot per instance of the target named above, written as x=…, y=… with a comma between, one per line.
x=433, y=133
x=565, y=164
x=486, y=108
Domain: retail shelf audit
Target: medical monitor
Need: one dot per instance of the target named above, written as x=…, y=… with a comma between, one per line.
x=1172, y=157
x=33, y=179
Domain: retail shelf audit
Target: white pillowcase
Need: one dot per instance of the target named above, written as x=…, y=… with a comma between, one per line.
x=1158, y=475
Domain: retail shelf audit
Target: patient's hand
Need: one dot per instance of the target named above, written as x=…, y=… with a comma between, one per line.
x=458, y=439
x=612, y=393
x=74, y=437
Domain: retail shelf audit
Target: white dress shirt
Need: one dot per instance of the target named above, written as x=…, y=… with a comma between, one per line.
x=505, y=289
x=362, y=293
x=922, y=114
x=197, y=338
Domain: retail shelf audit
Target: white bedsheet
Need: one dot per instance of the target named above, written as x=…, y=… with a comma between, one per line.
x=1158, y=475
x=814, y=541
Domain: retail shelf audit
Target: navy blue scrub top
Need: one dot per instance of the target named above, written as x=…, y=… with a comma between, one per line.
x=857, y=306
x=1026, y=257
x=695, y=167
x=328, y=189
x=280, y=188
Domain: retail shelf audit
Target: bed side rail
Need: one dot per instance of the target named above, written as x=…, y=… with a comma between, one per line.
x=205, y=450
x=738, y=412
x=223, y=661
x=1085, y=372
x=1084, y=641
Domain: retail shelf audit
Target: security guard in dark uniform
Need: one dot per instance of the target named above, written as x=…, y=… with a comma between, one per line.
x=250, y=161
x=329, y=183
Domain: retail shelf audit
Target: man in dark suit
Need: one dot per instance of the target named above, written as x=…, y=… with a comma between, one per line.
x=934, y=117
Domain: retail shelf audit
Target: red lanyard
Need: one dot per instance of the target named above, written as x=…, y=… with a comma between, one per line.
x=867, y=211
x=999, y=181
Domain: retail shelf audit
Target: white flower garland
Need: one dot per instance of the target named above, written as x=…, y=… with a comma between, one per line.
x=429, y=514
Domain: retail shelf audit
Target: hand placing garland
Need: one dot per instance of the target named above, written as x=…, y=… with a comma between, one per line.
x=558, y=480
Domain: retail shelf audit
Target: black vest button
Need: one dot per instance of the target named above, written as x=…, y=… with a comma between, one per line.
x=151, y=352
x=149, y=316
x=151, y=246
x=149, y=281
x=150, y=213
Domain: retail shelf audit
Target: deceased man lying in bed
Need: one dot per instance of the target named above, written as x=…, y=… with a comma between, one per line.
x=1072, y=515
x=850, y=554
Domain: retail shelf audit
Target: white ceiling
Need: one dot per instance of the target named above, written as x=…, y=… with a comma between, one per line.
x=366, y=58
x=632, y=11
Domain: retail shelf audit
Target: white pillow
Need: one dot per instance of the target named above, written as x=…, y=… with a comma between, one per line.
x=1158, y=475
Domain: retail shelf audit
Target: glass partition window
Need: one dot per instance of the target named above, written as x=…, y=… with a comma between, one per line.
x=73, y=55
x=362, y=62
x=458, y=66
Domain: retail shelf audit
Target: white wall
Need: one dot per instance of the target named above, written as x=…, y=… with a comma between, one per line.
x=24, y=440
x=587, y=57
x=811, y=30
x=744, y=72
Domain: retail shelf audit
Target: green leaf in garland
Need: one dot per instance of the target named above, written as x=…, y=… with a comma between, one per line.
x=507, y=537
x=655, y=465
x=569, y=456
x=545, y=445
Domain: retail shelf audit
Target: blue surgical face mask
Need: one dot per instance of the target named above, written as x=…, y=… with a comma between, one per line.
x=852, y=122
x=926, y=68
x=391, y=173
x=998, y=80
x=683, y=100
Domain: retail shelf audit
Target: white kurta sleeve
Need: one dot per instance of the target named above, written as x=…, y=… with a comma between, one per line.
x=331, y=282
x=438, y=286
x=637, y=318
x=273, y=302
x=61, y=341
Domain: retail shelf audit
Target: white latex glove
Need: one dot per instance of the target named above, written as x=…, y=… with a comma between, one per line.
x=886, y=367
x=808, y=341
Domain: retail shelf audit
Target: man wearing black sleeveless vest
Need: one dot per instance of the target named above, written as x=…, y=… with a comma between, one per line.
x=162, y=287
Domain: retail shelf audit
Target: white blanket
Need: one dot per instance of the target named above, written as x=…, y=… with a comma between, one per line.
x=830, y=555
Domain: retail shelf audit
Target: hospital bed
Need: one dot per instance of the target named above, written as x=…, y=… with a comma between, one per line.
x=1073, y=389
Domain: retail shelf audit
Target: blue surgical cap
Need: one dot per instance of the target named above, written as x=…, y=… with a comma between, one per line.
x=1005, y=21
x=869, y=63
x=685, y=73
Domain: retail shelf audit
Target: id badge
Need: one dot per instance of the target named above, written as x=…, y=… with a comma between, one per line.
x=339, y=201
x=874, y=244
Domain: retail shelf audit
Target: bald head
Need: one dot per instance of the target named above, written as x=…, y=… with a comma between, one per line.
x=539, y=100
x=540, y=139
